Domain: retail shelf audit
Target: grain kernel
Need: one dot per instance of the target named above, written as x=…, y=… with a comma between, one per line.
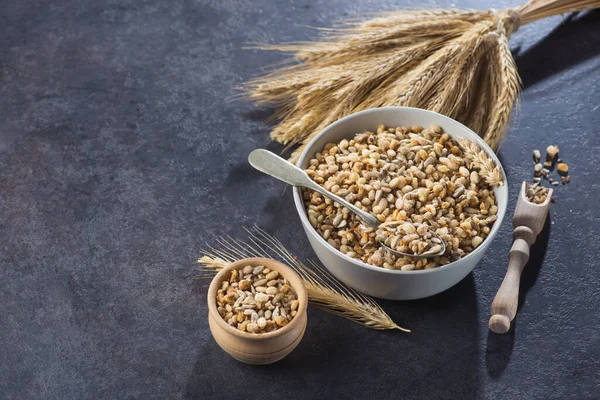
x=563, y=168
x=246, y=304
x=271, y=290
x=415, y=175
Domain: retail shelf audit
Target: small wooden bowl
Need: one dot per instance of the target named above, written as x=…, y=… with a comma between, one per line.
x=258, y=348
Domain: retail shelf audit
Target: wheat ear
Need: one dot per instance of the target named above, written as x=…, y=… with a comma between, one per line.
x=480, y=161
x=324, y=291
x=508, y=84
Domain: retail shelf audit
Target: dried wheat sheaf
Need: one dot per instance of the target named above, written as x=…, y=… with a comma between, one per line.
x=455, y=62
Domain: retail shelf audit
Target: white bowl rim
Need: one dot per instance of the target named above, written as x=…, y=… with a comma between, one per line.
x=303, y=216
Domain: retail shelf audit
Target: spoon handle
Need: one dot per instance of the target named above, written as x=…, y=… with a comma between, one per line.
x=271, y=164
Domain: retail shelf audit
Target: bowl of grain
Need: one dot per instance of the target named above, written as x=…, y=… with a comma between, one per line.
x=257, y=310
x=402, y=165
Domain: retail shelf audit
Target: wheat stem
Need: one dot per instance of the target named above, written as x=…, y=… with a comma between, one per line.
x=534, y=10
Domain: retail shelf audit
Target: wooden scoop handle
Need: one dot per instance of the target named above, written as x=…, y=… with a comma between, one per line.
x=504, y=306
x=528, y=222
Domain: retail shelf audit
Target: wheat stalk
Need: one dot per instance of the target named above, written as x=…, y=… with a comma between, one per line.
x=507, y=87
x=534, y=10
x=324, y=291
x=454, y=62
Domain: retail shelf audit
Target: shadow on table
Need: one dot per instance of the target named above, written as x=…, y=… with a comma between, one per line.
x=445, y=329
x=499, y=350
x=439, y=359
x=260, y=114
x=499, y=347
x=241, y=172
x=275, y=196
x=578, y=37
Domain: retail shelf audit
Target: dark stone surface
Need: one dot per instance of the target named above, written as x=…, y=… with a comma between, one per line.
x=121, y=155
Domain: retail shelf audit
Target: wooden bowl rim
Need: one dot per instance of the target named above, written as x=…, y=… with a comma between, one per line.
x=287, y=272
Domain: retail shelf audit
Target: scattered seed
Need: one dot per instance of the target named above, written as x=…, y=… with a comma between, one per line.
x=551, y=152
x=562, y=168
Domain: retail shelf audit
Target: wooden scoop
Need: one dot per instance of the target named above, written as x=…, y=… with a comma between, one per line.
x=528, y=222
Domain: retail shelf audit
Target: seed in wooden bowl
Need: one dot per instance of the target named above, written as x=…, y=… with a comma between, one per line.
x=404, y=174
x=256, y=300
x=536, y=194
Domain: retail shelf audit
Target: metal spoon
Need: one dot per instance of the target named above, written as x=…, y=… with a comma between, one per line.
x=271, y=164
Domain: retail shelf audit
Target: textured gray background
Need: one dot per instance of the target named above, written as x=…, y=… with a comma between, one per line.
x=121, y=155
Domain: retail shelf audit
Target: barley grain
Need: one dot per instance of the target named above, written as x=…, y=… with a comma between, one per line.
x=428, y=181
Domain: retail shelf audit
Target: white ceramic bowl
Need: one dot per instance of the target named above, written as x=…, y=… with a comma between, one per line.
x=380, y=282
